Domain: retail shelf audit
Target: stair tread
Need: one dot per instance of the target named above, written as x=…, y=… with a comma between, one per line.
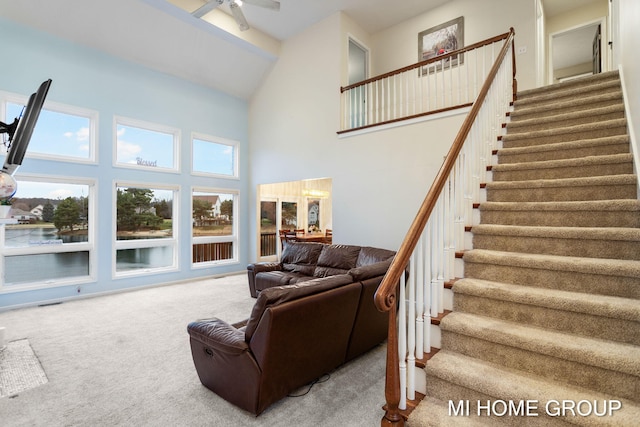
x=565, y=130
x=512, y=385
x=594, y=266
x=589, y=205
x=565, y=163
x=578, y=233
x=610, y=355
x=549, y=120
x=577, y=302
x=435, y=412
x=625, y=179
x=568, y=145
x=601, y=80
x=522, y=112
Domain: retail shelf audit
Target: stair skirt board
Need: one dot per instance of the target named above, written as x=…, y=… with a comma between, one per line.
x=548, y=310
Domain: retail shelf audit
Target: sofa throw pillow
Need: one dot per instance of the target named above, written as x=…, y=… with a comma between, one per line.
x=336, y=259
x=301, y=257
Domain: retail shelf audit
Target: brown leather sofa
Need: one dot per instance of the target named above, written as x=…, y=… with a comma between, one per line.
x=302, y=261
x=295, y=333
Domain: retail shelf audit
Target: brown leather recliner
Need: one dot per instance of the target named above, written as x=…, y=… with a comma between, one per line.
x=295, y=334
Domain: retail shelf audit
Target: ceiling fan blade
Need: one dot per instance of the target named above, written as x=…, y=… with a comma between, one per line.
x=206, y=8
x=239, y=16
x=268, y=4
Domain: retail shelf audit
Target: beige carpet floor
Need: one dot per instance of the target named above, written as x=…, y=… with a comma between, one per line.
x=124, y=360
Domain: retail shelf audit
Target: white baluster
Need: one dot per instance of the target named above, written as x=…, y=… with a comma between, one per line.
x=411, y=331
x=419, y=315
x=426, y=241
x=402, y=342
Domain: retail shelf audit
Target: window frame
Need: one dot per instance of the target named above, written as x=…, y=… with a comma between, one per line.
x=89, y=246
x=149, y=126
x=172, y=241
x=56, y=107
x=220, y=141
x=233, y=238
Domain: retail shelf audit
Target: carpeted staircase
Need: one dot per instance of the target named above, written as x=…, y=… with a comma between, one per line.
x=549, y=308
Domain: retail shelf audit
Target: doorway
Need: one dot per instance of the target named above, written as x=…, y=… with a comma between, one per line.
x=358, y=71
x=297, y=205
x=576, y=52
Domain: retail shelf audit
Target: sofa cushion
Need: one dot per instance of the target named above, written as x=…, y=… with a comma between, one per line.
x=369, y=255
x=371, y=270
x=280, y=294
x=301, y=257
x=336, y=259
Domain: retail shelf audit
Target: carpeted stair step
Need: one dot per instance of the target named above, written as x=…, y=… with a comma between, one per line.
x=560, y=120
x=598, y=213
x=589, y=242
x=434, y=412
x=454, y=377
x=618, y=144
x=579, y=88
x=609, y=367
x=605, y=317
x=619, y=278
x=565, y=134
x=614, y=164
x=567, y=189
x=601, y=99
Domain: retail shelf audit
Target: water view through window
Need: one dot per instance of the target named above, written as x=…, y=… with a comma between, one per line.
x=144, y=228
x=52, y=232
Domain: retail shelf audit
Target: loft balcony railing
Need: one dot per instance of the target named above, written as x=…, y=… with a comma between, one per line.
x=445, y=82
x=413, y=288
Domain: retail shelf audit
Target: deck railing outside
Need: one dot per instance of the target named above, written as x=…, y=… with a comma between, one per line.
x=437, y=232
x=442, y=83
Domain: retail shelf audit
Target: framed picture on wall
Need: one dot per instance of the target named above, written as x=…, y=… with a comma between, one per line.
x=440, y=40
x=313, y=212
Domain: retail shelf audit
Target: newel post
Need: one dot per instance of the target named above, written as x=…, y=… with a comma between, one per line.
x=392, y=415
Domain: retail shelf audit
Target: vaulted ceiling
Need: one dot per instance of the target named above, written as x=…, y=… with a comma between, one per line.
x=163, y=35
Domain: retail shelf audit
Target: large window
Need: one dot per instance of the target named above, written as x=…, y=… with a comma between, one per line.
x=214, y=226
x=214, y=156
x=145, y=233
x=50, y=241
x=63, y=132
x=145, y=145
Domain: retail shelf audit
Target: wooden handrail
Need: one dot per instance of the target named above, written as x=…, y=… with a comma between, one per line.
x=426, y=62
x=385, y=297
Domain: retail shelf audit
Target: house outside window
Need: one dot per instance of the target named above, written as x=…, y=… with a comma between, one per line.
x=145, y=232
x=214, y=226
x=52, y=226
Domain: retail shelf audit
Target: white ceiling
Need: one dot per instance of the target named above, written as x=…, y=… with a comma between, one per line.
x=157, y=34
x=162, y=36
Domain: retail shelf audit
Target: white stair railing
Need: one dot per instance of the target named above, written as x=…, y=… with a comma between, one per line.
x=426, y=259
x=448, y=81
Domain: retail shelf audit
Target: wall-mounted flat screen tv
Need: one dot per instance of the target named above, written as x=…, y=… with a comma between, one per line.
x=21, y=129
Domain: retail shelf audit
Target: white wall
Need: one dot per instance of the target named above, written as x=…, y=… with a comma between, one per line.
x=628, y=46
x=85, y=78
x=397, y=46
x=381, y=178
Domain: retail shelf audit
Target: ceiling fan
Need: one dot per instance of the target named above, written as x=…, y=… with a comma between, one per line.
x=234, y=5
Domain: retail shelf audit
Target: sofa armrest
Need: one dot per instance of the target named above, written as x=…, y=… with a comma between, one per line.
x=218, y=335
x=372, y=270
x=259, y=267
